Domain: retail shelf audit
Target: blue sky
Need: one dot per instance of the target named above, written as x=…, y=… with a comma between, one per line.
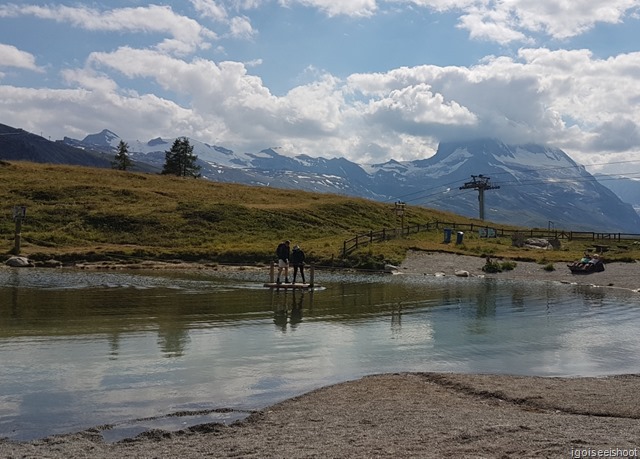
x=368, y=80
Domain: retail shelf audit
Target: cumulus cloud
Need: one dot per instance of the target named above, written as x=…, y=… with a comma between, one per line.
x=10, y=56
x=187, y=34
x=499, y=21
x=567, y=98
x=77, y=111
x=240, y=27
x=210, y=8
x=506, y=21
x=515, y=20
x=362, y=8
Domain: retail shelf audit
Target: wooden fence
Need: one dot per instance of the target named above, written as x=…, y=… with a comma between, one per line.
x=384, y=234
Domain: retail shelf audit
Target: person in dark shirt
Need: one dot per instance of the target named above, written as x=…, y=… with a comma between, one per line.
x=283, y=254
x=297, y=261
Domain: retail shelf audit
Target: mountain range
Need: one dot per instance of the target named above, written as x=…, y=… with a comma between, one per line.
x=528, y=185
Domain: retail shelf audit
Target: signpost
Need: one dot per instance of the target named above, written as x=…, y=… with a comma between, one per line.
x=400, y=207
x=19, y=213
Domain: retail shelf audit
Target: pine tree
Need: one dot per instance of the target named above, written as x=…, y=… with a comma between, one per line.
x=180, y=160
x=122, y=161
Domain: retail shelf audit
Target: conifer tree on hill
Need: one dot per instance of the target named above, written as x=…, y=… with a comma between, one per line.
x=122, y=161
x=180, y=160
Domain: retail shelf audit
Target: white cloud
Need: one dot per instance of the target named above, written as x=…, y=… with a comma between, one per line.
x=210, y=8
x=187, y=34
x=566, y=98
x=10, y=56
x=89, y=79
x=416, y=106
x=502, y=21
x=570, y=99
x=361, y=8
x=494, y=25
x=568, y=18
x=241, y=27
x=505, y=21
x=600, y=96
x=78, y=111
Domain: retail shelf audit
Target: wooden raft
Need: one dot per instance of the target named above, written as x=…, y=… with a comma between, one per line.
x=298, y=285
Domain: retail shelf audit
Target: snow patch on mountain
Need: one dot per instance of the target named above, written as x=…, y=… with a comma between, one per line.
x=537, y=184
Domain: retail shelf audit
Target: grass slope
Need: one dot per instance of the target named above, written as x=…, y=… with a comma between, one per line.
x=88, y=213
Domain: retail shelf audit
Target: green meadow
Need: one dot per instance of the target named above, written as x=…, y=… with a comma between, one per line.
x=81, y=213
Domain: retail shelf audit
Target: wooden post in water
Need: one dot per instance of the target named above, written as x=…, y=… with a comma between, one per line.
x=272, y=272
x=311, y=273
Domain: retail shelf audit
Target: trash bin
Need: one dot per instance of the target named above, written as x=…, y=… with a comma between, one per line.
x=447, y=235
x=459, y=237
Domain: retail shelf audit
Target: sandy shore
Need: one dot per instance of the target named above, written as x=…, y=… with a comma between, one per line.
x=422, y=415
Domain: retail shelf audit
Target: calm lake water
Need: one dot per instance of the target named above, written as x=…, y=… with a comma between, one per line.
x=129, y=351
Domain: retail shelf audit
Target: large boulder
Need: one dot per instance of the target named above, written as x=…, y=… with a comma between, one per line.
x=537, y=243
x=19, y=262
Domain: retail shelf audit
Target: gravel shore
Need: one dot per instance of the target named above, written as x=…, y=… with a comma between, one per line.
x=616, y=275
x=421, y=415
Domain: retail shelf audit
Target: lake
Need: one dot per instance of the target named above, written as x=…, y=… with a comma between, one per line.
x=127, y=351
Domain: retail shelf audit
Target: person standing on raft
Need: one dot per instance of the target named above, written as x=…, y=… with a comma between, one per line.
x=297, y=261
x=283, y=254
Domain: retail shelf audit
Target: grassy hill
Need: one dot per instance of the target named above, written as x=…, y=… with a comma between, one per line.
x=99, y=214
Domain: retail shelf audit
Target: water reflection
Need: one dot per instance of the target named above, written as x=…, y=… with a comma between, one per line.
x=85, y=349
x=288, y=306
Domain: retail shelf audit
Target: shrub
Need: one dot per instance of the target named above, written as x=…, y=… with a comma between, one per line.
x=497, y=267
x=508, y=265
x=491, y=266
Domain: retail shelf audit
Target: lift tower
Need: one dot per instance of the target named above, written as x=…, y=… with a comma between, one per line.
x=480, y=183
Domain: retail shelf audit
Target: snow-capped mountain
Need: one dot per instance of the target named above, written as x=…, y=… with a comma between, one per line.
x=628, y=189
x=264, y=168
x=538, y=186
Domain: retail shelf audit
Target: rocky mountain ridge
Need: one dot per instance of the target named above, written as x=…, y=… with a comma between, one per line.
x=534, y=186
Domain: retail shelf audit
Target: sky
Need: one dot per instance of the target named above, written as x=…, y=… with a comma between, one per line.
x=367, y=80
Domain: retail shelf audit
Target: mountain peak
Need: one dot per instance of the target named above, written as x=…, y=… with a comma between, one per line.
x=105, y=138
x=157, y=141
x=537, y=183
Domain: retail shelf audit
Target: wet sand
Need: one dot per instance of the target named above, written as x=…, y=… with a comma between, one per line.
x=422, y=415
